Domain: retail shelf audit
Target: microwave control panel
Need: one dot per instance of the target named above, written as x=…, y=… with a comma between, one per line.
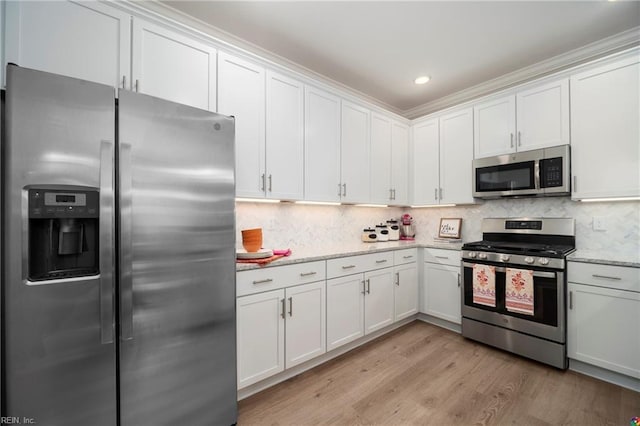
x=551, y=172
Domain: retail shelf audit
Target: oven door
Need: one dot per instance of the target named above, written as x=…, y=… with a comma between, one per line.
x=548, y=319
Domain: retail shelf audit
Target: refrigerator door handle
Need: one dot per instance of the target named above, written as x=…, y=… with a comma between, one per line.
x=106, y=242
x=126, y=278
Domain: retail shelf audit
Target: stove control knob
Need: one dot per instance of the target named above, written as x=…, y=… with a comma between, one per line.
x=505, y=257
x=472, y=254
x=543, y=261
x=482, y=255
x=528, y=260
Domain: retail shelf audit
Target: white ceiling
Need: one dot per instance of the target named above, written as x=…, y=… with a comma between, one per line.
x=378, y=48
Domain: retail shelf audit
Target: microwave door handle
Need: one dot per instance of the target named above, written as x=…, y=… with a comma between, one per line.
x=536, y=172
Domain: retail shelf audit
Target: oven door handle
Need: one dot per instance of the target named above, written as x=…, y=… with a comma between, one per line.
x=540, y=274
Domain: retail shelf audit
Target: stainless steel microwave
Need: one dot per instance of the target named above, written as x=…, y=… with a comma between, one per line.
x=539, y=172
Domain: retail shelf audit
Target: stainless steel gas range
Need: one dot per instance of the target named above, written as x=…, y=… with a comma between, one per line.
x=514, y=286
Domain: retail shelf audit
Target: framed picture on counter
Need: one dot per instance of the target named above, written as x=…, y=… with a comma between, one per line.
x=450, y=228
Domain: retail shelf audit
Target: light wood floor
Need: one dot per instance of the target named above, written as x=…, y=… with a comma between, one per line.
x=424, y=375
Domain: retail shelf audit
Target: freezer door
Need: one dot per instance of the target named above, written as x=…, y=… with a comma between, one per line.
x=59, y=351
x=177, y=264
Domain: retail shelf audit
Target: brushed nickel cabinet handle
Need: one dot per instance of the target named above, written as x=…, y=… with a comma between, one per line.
x=570, y=300
x=435, y=195
x=511, y=140
x=519, y=138
x=124, y=81
x=267, y=280
x=137, y=85
x=348, y=266
x=344, y=189
x=398, y=278
x=458, y=279
x=390, y=194
x=442, y=257
x=364, y=287
x=441, y=193
x=381, y=261
x=606, y=277
x=407, y=257
x=307, y=274
x=270, y=183
x=264, y=182
x=291, y=306
x=368, y=286
x=339, y=190
x=282, y=314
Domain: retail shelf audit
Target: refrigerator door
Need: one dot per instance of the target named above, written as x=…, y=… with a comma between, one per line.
x=59, y=350
x=177, y=264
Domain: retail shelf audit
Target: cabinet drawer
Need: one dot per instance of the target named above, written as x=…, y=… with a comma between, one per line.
x=259, y=280
x=445, y=257
x=405, y=256
x=356, y=264
x=610, y=276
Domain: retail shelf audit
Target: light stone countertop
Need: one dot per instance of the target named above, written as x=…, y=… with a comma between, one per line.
x=342, y=250
x=590, y=256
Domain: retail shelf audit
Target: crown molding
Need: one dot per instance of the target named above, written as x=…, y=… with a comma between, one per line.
x=618, y=42
x=160, y=11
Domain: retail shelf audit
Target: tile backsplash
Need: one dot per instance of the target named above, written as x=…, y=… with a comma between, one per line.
x=289, y=225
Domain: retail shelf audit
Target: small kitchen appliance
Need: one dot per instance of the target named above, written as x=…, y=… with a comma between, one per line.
x=514, y=286
x=407, y=227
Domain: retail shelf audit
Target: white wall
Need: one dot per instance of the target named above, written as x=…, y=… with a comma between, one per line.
x=307, y=227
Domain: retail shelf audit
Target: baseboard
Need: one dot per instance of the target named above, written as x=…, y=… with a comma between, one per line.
x=440, y=322
x=605, y=375
x=299, y=369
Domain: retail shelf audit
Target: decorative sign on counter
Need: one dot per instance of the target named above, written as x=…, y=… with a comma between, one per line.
x=450, y=228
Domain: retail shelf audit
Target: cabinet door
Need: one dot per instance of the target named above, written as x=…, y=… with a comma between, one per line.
x=543, y=116
x=605, y=128
x=603, y=328
x=285, y=146
x=172, y=66
x=260, y=332
x=495, y=127
x=380, y=159
x=378, y=300
x=354, y=167
x=86, y=40
x=441, y=297
x=241, y=93
x=305, y=323
x=425, y=163
x=400, y=164
x=406, y=291
x=321, y=146
x=345, y=310
x=456, y=155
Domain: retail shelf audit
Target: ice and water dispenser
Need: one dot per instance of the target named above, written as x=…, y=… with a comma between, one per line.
x=63, y=232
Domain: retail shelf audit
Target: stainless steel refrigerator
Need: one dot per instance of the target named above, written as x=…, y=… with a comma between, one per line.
x=118, y=267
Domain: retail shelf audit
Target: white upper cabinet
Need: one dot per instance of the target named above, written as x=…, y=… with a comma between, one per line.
x=389, y=174
x=495, y=126
x=543, y=116
x=172, y=66
x=321, y=146
x=400, y=164
x=285, y=137
x=425, y=162
x=241, y=93
x=86, y=40
x=605, y=125
x=354, y=153
x=456, y=156
x=534, y=118
x=380, y=165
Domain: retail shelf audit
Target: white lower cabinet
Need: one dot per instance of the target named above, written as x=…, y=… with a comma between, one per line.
x=406, y=284
x=604, y=317
x=260, y=332
x=358, y=305
x=441, y=296
x=281, y=328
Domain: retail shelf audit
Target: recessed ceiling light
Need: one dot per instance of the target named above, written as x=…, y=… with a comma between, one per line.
x=422, y=79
